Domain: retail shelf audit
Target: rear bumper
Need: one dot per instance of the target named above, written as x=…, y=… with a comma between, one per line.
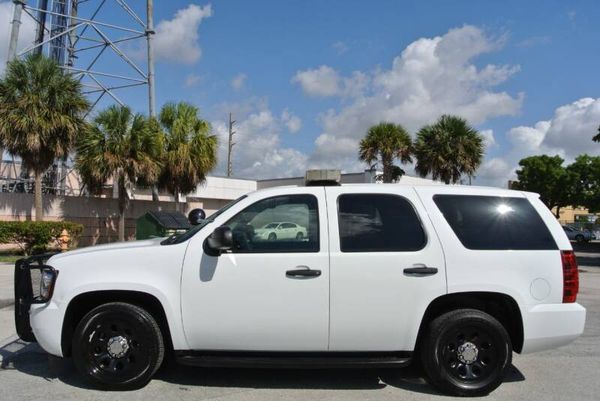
x=552, y=325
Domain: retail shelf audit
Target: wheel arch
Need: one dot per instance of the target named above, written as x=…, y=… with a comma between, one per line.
x=81, y=304
x=501, y=306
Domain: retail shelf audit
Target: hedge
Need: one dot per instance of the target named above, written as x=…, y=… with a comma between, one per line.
x=35, y=236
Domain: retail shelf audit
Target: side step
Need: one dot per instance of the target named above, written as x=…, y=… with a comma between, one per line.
x=291, y=360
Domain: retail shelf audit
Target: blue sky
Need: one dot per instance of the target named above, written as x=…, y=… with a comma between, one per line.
x=305, y=79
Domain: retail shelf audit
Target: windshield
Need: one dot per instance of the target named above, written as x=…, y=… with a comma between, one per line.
x=179, y=238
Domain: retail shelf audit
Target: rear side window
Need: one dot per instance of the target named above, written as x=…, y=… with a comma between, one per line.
x=378, y=223
x=495, y=223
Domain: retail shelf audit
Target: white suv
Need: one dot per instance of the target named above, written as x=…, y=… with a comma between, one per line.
x=453, y=278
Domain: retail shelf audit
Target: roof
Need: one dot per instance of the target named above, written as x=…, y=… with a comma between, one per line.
x=170, y=220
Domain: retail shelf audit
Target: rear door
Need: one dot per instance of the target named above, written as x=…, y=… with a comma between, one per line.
x=386, y=266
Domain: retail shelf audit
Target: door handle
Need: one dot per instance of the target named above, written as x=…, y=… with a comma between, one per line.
x=302, y=272
x=420, y=271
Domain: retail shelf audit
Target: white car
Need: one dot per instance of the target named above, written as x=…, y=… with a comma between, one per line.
x=281, y=231
x=454, y=277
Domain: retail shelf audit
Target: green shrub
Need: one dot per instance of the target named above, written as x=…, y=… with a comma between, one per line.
x=34, y=236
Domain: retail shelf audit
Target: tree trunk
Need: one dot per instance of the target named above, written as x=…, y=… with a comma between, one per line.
x=177, y=200
x=387, y=168
x=557, y=214
x=37, y=197
x=122, y=207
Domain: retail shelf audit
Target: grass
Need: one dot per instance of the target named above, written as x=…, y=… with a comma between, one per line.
x=9, y=258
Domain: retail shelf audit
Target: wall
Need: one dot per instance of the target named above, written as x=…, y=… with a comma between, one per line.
x=98, y=215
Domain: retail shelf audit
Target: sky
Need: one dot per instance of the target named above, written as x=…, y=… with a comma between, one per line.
x=305, y=79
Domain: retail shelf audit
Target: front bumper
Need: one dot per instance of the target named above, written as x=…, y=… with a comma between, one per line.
x=46, y=322
x=552, y=325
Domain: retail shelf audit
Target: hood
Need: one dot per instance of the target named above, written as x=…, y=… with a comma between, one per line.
x=109, y=247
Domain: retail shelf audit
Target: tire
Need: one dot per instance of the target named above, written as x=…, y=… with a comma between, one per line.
x=272, y=237
x=485, y=358
x=300, y=236
x=137, y=346
x=580, y=238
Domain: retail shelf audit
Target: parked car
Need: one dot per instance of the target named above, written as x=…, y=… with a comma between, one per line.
x=456, y=278
x=278, y=231
x=575, y=234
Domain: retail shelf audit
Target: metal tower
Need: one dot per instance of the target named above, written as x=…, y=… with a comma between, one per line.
x=96, y=40
x=104, y=43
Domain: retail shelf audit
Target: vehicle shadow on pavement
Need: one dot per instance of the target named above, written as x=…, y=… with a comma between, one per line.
x=30, y=359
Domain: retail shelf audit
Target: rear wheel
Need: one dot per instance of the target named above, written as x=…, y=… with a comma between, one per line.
x=299, y=236
x=118, y=346
x=466, y=352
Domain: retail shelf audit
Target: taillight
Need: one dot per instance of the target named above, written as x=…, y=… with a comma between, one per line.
x=570, y=276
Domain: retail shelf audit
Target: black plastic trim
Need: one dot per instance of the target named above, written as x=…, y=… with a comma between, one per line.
x=293, y=360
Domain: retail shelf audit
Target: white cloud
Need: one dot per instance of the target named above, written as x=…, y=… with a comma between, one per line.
x=488, y=138
x=192, y=80
x=568, y=134
x=238, y=81
x=340, y=47
x=319, y=82
x=177, y=39
x=291, y=121
x=258, y=152
x=432, y=76
x=26, y=31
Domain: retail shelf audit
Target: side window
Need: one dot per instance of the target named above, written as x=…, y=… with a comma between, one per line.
x=378, y=223
x=255, y=229
x=495, y=223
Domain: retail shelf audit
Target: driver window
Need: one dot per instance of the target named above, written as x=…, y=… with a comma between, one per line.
x=286, y=223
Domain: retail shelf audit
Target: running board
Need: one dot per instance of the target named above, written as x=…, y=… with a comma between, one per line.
x=300, y=360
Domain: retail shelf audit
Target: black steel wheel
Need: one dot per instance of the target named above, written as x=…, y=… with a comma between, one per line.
x=118, y=346
x=466, y=352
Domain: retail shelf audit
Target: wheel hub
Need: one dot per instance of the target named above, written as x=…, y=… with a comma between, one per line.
x=117, y=346
x=467, y=353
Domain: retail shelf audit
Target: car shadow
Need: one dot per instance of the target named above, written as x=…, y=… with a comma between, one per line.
x=30, y=359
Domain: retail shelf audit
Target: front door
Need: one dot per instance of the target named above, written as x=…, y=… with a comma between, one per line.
x=386, y=267
x=270, y=293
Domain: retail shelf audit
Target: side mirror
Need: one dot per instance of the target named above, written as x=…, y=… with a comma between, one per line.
x=196, y=216
x=219, y=241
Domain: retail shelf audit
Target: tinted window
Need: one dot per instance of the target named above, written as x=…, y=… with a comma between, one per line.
x=255, y=229
x=288, y=225
x=378, y=223
x=489, y=222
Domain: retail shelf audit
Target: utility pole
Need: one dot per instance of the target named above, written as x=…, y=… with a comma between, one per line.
x=151, y=102
x=14, y=33
x=230, y=147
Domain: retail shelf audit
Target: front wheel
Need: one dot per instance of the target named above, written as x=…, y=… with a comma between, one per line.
x=466, y=352
x=118, y=346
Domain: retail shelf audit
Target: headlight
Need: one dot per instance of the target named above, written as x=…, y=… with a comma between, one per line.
x=47, y=281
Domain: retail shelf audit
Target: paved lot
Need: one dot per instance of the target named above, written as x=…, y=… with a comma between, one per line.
x=571, y=372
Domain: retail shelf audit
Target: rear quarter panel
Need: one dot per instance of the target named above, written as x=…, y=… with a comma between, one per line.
x=517, y=273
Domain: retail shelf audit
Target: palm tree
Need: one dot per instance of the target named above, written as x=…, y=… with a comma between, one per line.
x=121, y=146
x=189, y=150
x=41, y=114
x=448, y=149
x=386, y=142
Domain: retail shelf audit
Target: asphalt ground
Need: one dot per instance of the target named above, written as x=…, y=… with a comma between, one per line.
x=570, y=372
